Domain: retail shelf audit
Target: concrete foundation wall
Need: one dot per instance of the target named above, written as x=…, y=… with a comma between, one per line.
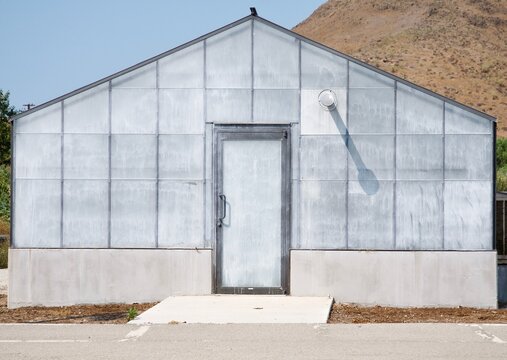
x=397, y=278
x=54, y=277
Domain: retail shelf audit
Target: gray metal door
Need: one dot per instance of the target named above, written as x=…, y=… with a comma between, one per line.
x=252, y=192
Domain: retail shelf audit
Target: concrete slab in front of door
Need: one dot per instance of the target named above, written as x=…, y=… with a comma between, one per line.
x=238, y=309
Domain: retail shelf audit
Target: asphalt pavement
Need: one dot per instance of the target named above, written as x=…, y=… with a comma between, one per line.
x=254, y=341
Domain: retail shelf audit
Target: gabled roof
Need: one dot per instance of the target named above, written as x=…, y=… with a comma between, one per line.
x=275, y=26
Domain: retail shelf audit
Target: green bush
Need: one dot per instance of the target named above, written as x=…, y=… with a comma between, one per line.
x=501, y=164
x=501, y=180
x=132, y=313
x=5, y=193
x=501, y=153
x=5, y=207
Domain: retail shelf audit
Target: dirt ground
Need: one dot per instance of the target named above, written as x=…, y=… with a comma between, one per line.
x=78, y=314
x=341, y=313
x=348, y=313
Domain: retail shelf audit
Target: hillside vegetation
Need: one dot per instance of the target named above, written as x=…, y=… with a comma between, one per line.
x=6, y=111
x=457, y=48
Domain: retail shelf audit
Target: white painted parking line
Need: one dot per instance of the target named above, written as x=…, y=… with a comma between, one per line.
x=479, y=331
x=135, y=334
x=44, y=341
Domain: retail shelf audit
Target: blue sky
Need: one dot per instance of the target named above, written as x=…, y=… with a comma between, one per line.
x=51, y=47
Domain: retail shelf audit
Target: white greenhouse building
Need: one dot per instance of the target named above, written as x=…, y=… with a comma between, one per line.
x=253, y=160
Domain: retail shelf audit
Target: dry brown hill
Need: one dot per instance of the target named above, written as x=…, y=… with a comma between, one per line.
x=457, y=48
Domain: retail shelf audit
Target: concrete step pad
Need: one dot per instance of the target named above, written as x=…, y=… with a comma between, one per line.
x=238, y=309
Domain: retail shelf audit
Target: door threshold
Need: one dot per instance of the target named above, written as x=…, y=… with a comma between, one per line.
x=251, y=291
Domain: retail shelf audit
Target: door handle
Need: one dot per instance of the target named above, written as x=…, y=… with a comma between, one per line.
x=221, y=219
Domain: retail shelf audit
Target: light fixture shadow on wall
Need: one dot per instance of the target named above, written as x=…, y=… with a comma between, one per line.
x=366, y=177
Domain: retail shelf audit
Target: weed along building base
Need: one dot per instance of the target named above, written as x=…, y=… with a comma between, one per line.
x=253, y=161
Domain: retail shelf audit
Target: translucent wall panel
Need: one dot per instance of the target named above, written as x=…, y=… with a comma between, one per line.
x=468, y=217
x=459, y=121
x=320, y=69
x=419, y=215
x=276, y=106
x=88, y=112
x=371, y=111
x=322, y=222
x=209, y=203
x=47, y=120
x=371, y=157
x=181, y=157
x=143, y=77
x=180, y=221
x=371, y=216
x=229, y=106
x=323, y=158
x=417, y=112
x=229, y=58
x=276, y=58
x=133, y=214
x=208, y=155
x=295, y=133
x=37, y=213
x=85, y=156
x=317, y=120
x=295, y=220
x=133, y=156
x=419, y=157
x=181, y=111
x=38, y=156
x=134, y=111
x=85, y=213
x=468, y=157
x=183, y=69
x=362, y=77
x=208, y=213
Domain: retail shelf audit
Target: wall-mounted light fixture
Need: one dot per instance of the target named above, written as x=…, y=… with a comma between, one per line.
x=327, y=99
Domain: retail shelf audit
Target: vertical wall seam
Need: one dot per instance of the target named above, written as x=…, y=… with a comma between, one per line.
x=298, y=184
x=217, y=164
x=299, y=80
x=298, y=149
x=252, y=71
x=443, y=176
x=62, y=134
x=493, y=186
x=212, y=201
x=347, y=159
x=286, y=241
x=109, y=120
x=157, y=181
x=395, y=160
x=13, y=184
x=205, y=182
x=298, y=179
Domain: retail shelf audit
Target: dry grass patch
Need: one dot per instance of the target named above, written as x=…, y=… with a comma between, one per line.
x=355, y=314
x=76, y=314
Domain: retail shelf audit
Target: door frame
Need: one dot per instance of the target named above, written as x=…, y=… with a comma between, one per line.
x=253, y=132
